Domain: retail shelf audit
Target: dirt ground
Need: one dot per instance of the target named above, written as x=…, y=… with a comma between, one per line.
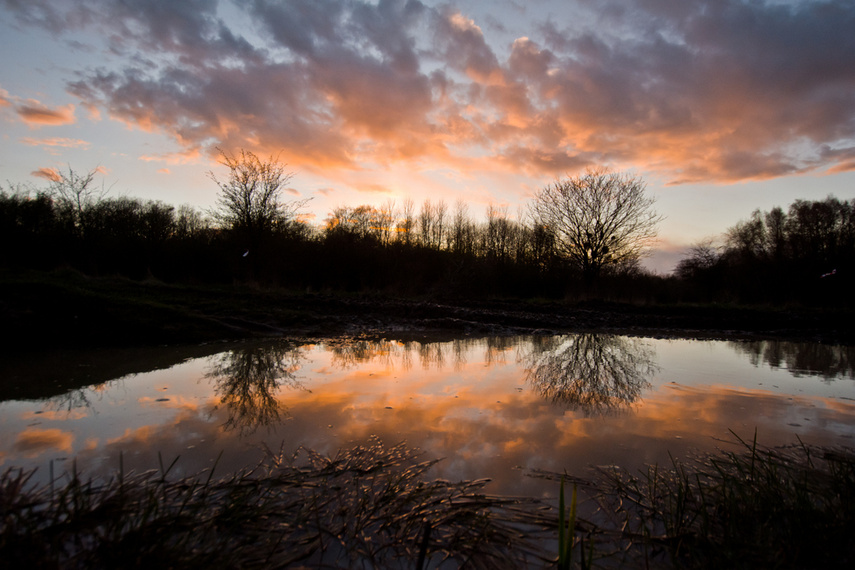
x=67, y=310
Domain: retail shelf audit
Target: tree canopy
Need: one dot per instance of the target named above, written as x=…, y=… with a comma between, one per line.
x=250, y=198
x=601, y=219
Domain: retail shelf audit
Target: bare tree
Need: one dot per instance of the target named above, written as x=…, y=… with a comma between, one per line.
x=360, y=222
x=74, y=193
x=386, y=220
x=407, y=225
x=598, y=220
x=251, y=197
x=440, y=211
x=461, y=237
x=426, y=222
x=702, y=256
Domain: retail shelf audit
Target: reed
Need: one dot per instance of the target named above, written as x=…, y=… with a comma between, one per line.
x=373, y=507
x=755, y=507
x=365, y=507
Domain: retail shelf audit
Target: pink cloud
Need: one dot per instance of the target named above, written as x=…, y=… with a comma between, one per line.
x=186, y=156
x=36, y=114
x=56, y=142
x=51, y=174
x=746, y=91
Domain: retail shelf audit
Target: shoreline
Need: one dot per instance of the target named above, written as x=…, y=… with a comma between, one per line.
x=65, y=309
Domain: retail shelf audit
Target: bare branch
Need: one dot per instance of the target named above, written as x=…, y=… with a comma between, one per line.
x=600, y=219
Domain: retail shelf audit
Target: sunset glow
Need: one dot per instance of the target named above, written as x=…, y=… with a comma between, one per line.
x=474, y=402
x=722, y=106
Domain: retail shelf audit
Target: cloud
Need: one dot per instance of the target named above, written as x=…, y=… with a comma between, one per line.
x=375, y=188
x=51, y=174
x=702, y=91
x=186, y=156
x=36, y=114
x=5, y=100
x=56, y=142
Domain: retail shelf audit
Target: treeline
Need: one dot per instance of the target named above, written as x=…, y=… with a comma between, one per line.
x=804, y=255
x=358, y=249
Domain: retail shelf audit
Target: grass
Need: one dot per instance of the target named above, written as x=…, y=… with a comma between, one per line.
x=785, y=507
x=367, y=507
x=372, y=507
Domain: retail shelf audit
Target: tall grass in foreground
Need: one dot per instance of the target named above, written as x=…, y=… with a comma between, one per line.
x=371, y=507
x=364, y=508
x=785, y=507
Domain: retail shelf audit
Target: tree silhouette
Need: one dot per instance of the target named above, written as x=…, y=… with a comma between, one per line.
x=250, y=200
x=599, y=220
x=75, y=194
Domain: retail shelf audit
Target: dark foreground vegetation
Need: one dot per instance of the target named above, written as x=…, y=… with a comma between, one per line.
x=372, y=507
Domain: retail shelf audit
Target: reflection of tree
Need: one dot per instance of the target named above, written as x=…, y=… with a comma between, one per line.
x=347, y=353
x=596, y=373
x=247, y=380
x=829, y=361
x=71, y=400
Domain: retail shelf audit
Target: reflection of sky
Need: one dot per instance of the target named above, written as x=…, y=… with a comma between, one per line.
x=475, y=410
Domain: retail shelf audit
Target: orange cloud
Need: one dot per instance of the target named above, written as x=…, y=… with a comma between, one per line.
x=56, y=142
x=749, y=91
x=190, y=155
x=51, y=174
x=36, y=114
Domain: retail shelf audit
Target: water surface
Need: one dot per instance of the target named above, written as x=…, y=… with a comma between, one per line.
x=492, y=407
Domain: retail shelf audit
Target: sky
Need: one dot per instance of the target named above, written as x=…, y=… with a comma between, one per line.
x=720, y=106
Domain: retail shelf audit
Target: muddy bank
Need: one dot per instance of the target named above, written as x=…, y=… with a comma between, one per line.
x=66, y=309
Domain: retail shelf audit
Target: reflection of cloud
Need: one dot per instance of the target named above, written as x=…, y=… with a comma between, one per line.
x=61, y=415
x=747, y=90
x=32, y=442
x=171, y=401
x=466, y=402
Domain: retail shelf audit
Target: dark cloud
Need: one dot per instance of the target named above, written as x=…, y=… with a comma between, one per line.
x=713, y=90
x=462, y=46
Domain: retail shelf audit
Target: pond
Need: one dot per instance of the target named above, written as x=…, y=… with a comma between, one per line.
x=495, y=407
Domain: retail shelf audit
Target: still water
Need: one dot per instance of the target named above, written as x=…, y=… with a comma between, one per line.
x=500, y=408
